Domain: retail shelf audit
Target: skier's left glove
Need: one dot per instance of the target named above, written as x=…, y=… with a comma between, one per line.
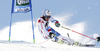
x=52, y=35
x=98, y=38
x=57, y=24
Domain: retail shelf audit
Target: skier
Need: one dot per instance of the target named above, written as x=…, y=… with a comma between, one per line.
x=50, y=33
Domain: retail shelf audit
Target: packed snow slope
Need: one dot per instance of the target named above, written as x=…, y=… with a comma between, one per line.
x=22, y=37
x=48, y=46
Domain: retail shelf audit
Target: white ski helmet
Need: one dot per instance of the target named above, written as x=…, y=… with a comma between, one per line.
x=46, y=12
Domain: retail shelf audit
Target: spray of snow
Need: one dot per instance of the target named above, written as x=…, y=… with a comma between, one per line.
x=95, y=35
x=79, y=27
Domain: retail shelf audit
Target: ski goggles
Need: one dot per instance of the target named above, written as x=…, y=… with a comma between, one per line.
x=47, y=16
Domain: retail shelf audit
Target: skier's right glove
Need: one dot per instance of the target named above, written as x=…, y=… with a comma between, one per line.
x=57, y=24
x=52, y=35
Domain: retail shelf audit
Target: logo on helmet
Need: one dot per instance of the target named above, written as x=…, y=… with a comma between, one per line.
x=46, y=12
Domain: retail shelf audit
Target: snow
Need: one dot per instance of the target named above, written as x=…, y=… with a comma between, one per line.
x=52, y=46
x=21, y=38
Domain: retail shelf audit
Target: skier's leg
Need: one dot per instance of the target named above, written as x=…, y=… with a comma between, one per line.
x=53, y=37
x=59, y=38
x=66, y=40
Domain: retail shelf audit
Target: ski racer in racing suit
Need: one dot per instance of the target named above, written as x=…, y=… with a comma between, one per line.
x=48, y=32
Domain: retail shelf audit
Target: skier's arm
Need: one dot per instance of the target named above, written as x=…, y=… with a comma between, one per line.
x=42, y=27
x=57, y=24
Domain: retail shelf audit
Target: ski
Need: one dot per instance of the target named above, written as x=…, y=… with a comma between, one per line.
x=87, y=45
x=76, y=44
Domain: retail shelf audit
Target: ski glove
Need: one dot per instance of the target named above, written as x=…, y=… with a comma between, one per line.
x=57, y=25
x=52, y=35
x=98, y=38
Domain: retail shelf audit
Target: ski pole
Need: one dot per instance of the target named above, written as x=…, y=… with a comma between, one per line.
x=68, y=35
x=78, y=33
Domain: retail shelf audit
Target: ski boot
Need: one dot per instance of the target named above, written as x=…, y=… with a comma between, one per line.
x=63, y=41
x=76, y=43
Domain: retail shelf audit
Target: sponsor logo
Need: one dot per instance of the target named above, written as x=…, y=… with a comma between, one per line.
x=22, y=9
x=22, y=2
